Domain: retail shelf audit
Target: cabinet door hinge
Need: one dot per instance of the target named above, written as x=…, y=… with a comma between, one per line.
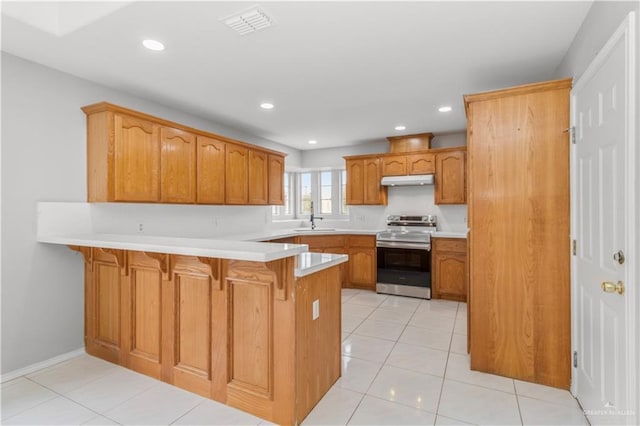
x=574, y=247
x=575, y=359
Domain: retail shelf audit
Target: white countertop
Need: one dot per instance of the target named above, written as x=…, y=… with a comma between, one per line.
x=308, y=263
x=218, y=248
x=284, y=233
x=450, y=234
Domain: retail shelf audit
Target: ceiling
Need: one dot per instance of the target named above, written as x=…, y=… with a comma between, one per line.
x=341, y=73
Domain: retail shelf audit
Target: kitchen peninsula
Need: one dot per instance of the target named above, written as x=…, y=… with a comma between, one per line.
x=253, y=325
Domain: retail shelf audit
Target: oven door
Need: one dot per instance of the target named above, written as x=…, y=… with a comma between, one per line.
x=404, y=269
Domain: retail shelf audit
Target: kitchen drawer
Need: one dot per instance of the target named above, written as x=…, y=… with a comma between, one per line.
x=455, y=245
x=323, y=241
x=362, y=241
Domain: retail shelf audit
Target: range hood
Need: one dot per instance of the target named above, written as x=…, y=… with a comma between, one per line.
x=413, y=180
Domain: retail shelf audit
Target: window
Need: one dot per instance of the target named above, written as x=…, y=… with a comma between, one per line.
x=285, y=211
x=325, y=188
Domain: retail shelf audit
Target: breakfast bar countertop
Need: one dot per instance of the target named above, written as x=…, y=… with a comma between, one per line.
x=204, y=247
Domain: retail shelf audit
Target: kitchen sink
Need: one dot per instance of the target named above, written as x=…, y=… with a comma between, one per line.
x=314, y=230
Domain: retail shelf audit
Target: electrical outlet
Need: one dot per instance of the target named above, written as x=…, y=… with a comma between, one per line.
x=141, y=227
x=316, y=309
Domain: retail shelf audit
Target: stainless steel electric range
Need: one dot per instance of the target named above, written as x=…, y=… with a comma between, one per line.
x=404, y=256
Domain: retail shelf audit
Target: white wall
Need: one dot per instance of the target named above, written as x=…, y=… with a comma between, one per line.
x=600, y=23
x=43, y=159
x=413, y=200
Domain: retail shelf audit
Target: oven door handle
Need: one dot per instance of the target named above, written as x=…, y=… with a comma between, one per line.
x=403, y=245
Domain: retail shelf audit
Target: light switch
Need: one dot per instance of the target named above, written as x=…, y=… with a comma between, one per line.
x=316, y=309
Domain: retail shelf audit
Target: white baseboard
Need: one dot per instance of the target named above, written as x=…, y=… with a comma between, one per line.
x=40, y=365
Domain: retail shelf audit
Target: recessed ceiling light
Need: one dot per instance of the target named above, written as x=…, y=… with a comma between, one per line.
x=400, y=127
x=266, y=105
x=313, y=142
x=153, y=45
x=444, y=109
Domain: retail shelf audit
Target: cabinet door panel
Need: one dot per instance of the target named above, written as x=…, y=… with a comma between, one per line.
x=188, y=326
x=374, y=193
x=276, y=180
x=450, y=179
x=394, y=166
x=211, y=175
x=421, y=164
x=137, y=160
x=144, y=315
x=258, y=175
x=178, y=166
x=237, y=175
x=355, y=182
x=450, y=278
x=362, y=268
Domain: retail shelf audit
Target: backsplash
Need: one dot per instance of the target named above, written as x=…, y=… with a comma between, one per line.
x=412, y=200
x=201, y=221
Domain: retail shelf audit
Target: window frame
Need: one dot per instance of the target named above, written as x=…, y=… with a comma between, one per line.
x=338, y=211
x=278, y=212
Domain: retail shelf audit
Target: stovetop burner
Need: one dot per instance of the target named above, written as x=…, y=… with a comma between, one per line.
x=411, y=229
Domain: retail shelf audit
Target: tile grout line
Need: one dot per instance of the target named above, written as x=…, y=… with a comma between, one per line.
x=59, y=395
x=387, y=358
x=515, y=391
x=366, y=393
x=446, y=365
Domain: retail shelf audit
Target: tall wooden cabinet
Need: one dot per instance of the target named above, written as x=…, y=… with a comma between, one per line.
x=519, y=307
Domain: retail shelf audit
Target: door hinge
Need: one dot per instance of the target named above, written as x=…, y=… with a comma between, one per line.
x=572, y=133
x=574, y=247
x=575, y=359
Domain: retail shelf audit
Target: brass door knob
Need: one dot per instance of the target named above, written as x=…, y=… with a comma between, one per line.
x=609, y=287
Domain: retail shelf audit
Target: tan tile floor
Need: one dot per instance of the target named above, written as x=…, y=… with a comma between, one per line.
x=404, y=363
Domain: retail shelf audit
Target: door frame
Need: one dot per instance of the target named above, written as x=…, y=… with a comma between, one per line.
x=627, y=30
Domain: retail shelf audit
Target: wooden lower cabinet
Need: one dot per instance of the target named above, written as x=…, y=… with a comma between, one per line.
x=239, y=332
x=361, y=269
x=449, y=268
x=362, y=262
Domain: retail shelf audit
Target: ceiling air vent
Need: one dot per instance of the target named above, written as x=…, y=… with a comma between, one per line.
x=248, y=21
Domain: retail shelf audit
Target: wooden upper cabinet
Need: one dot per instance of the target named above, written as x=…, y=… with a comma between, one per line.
x=135, y=157
x=395, y=165
x=355, y=182
x=136, y=162
x=421, y=164
x=374, y=192
x=258, y=175
x=276, y=179
x=178, y=166
x=210, y=171
x=363, y=181
x=450, y=178
x=237, y=174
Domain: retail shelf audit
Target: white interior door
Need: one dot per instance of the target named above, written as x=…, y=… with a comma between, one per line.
x=603, y=197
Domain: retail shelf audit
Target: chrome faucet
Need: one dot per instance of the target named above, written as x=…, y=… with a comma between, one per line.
x=313, y=218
